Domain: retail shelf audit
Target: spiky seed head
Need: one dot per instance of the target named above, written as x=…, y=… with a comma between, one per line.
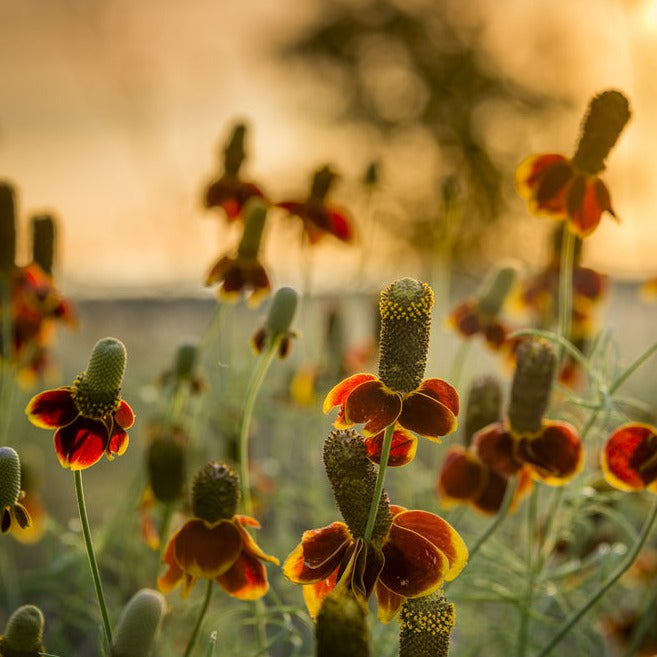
x=10, y=477
x=97, y=390
x=405, y=307
x=138, y=625
x=341, y=626
x=215, y=492
x=536, y=363
x=43, y=241
x=607, y=115
x=255, y=215
x=166, y=468
x=484, y=405
x=425, y=626
x=7, y=227
x=496, y=289
x=352, y=478
x=23, y=635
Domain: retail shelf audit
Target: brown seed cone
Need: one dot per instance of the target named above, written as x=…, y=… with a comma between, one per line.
x=405, y=308
x=425, y=625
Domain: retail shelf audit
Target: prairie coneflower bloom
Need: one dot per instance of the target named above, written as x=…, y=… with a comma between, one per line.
x=214, y=544
x=230, y=191
x=629, y=458
x=12, y=512
x=570, y=188
x=399, y=395
x=89, y=417
x=319, y=217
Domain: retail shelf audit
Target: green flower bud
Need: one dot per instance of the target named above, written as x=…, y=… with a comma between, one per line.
x=97, y=391
x=405, y=307
x=277, y=325
x=341, y=626
x=23, y=635
x=425, y=626
x=607, y=115
x=10, y=491
x=255, y=216
x=7, y=227
x=352, y=478
x=138, y=625
x=496, y=289
x=43, y=241
x=166, y=469
x=215, y=492
x=532, y=384
x=484, y=405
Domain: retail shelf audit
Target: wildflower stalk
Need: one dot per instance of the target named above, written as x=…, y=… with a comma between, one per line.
x=566, y=286
x=378, y=486
x=199, y=620
x=84, y=520
x=526, y=605
x=611, y=580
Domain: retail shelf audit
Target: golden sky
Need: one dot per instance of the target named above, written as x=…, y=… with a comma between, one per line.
x=112, y=116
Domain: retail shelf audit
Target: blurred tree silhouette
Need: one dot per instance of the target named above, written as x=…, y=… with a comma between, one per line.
x=404, y=63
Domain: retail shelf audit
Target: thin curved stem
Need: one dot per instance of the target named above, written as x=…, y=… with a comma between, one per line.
x=95, y=574
x=611, y=580
x=621, y=378
x=199, y=620
x=380, y=477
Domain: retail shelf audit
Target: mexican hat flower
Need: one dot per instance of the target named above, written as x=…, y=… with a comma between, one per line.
x=399, y=394
x=89, y=417
x=12, y=512
x=214, y=544
x=570, y=189
x=230, y=191
x=318, y=216
x=411, y=552
x=629, y=458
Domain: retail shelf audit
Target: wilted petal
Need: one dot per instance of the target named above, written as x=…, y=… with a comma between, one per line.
x=52, y=408
x=629, y=458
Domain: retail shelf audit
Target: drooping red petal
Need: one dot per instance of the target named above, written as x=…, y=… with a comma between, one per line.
x=246, y=579
x=375, y=405
x=52, y=409
x=318, y=555
x=495, y=447
x=337, y=396
x=314, y=594
x=174, y=573
x=413, y=565
x=118, y=442
x=402, y=449
x=555, y=455
x=438, y=532
x=629, y=458
x=389, y=603
x=124, y=415
x=541, y=180
x=249, y=545
x=462, y=476
x=340, y=225
x=81, y=444
x=423, y=413
x=584, y=206
x=204, y=551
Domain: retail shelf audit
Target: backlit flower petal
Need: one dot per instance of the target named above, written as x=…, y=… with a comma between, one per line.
x=314, y=594
x=340, y=225
x=462, y=476
x=337, y=396
x=402, y=449
x=124, y=415
x=495, y=447
x=81, y=444
x=318, y=555
x=52, y=408
x=389, y=603
x=629, y=458
x=427, y=416
x=440, y=533
x=174, y=574
x=585, y=204
x=249, y=545
x=204, y=551
x=441, y=391
x=372, y=403
x=246, y=579
x=542, y=180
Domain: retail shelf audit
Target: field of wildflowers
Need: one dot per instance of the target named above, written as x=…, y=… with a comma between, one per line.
x=278, y=483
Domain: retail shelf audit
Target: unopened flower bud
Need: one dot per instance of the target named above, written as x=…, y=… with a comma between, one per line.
x=255, y=216
x=138, y=625
x=484, y=405
x=425, y=626
x=405, y=308
x=495, y=290
x=352, y=478
x=23, y=635
x=532, y=384
x=43, y=241
x=7, y=227
x=607, y=115
x=277, y=325
x=97, y=390
x=215, y=492
x=341, y=626
x=10, y=491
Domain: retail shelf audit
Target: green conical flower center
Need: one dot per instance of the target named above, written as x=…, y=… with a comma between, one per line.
x=23, y=635
x=405, y=308
x=10, y=477
x=215, y=492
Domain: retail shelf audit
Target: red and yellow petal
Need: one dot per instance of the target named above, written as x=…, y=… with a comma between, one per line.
x=124, y=415
x=462, y=476
x=441, y=391
x=588, y=198
x=402, y=449
x=340, y=225
x=81, y=444
x=314, y=594
x=246, y=579
x=52, y=409
x=629, y=458
x=496, y=448
x=318, y=555
x=388, y=602
x=249, y=545
x=555, y=456
x=207, y=551
x=174, y=573
x=428, y=416
x=118, y=442
x=337, y=396
x=373, y=404
x=438, y=532
x=542, y=181
x=413, y=565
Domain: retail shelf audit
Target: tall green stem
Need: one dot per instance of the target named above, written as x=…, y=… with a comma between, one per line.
x=380, y=477
x=566, y=285
x=252, y=393
x=199, y=620
x=95, y=574
x=525, y=608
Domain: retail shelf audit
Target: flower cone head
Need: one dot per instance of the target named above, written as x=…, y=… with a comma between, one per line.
x=405, y=307
x=43, y=241
x=7, y=227
x=321, y=184
x=532, y=384
x=484, y=405
x=23, y=635
x=425, y=625
x=607, y=115
x=138, y=625
x=341, y=626
x=215, y=492
x=352, y=478
x=281, y=312
x=165, y=463
x=496, y=289
x=10, y=477
x=234, y=152
x=255, y=216
x=97, y=390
